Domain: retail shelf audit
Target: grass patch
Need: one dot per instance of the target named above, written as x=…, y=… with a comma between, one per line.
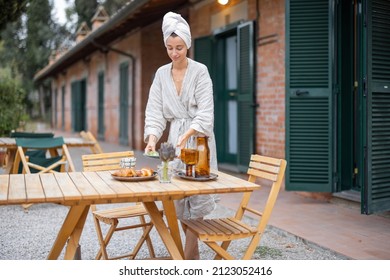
x=268, y=252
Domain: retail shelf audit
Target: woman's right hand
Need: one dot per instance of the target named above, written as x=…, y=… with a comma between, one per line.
x=151, y=146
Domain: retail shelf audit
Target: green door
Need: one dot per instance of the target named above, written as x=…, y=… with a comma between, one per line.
x=55, y=107
x=123, y=103
x=226, y=90
x=101, y=123
x=78, y=102
x=309, y=96
x=63, y=107
x=229, y=56
x=246, y=94
x=376, y=195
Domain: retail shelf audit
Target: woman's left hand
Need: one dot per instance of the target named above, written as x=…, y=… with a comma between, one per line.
x=182, y=141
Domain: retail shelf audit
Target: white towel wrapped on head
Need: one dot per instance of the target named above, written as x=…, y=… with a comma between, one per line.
x=175, y=23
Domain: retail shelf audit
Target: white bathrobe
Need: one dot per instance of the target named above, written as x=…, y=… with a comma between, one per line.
x=194, y=108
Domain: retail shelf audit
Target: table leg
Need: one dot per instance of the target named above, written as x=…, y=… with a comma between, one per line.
x=162, y=229
x=73, y=242
x=170, y=214
x=71, y=229
x=10, y=160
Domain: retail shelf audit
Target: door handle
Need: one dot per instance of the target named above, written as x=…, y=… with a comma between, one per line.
x=301, y=92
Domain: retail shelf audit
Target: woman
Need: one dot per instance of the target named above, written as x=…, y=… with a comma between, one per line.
x=182, y=94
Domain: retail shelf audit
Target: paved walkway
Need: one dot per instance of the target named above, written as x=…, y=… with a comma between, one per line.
x=335, y=225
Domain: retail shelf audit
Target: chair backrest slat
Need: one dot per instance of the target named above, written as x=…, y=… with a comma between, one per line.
x=261, y=174
x=22, y=134
x=264, y=167
x=104, y=161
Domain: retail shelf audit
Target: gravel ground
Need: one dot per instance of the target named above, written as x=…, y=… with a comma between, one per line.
x=29, y=236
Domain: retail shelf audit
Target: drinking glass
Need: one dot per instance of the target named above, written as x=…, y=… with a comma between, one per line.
x=189, y=157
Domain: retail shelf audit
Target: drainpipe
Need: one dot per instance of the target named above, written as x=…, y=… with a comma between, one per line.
x=104, y=48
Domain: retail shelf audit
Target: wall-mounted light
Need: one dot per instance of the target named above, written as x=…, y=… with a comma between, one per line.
x=223, y=2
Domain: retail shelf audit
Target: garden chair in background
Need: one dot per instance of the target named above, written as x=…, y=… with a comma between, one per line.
x=58, y=158
x=87, y=135
x=33, y=135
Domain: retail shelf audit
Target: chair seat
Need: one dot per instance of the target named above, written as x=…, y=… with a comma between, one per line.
x=220, y=229
x=119, y=213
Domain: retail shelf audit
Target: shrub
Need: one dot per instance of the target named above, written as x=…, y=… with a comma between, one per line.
x=11, y=102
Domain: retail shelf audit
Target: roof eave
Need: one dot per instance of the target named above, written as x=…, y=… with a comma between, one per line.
x=117, y=18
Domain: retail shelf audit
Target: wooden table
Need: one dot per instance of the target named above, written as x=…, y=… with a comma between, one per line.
x=10, y=144
x=81, y=189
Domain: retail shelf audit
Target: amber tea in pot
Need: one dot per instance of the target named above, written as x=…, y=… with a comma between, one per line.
x=202, y=167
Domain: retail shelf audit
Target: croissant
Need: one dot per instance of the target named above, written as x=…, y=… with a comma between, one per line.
x=146, y=172
x=130, y=172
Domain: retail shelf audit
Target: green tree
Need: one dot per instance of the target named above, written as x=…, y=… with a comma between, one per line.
x=39, y=40
x=85, y=10
x=112, y=6
x=27, y=45
x=10, y=10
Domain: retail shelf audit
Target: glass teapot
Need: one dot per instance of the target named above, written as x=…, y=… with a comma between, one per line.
x=202, y=166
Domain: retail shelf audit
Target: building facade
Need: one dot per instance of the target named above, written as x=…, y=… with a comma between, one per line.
x=303, y=80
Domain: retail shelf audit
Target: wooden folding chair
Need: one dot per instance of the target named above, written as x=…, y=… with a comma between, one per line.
x=87, y=135
x=225, y=230
x=111, y=161
x=54, y=161
x=37, y=153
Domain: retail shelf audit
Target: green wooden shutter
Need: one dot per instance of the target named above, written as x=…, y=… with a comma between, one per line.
x=203, y=48
x=78, y=105
x=123, y=103
x=55, y=107
x=309, y=96
x=63, y=108
x=101, y=124
x=376, y=196
x=82, y=124
x=245, y=97
x=74, y=94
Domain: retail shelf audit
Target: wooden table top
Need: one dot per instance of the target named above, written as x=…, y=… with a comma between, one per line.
x=10, y=143
x=85, y=188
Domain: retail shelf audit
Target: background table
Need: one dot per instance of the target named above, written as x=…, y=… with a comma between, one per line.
x=10, y=144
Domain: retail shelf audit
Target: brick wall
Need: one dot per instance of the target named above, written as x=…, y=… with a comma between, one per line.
x=270, y=116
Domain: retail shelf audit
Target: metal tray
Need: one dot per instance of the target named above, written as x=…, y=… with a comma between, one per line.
x=182, y=175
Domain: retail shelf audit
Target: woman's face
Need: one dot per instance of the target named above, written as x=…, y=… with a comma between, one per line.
x=176, y=49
